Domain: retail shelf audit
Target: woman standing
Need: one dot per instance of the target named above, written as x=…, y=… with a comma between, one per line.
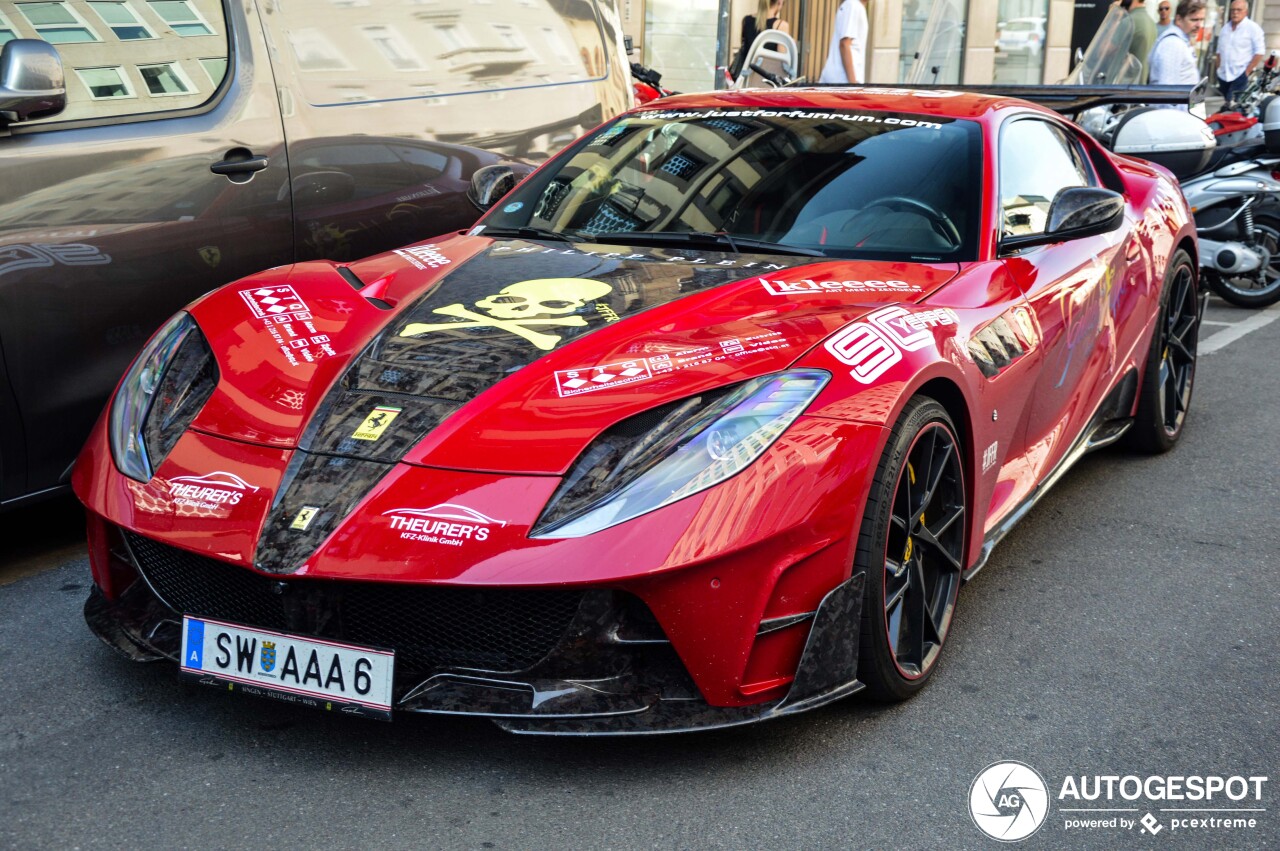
x=770, y=12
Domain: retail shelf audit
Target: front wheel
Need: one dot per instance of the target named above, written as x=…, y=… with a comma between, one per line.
x=1264, y=289
x=1170, y=370
x=911, y=545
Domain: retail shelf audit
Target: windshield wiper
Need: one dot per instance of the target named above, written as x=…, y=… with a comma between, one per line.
x=527, y=232
x=737, y=243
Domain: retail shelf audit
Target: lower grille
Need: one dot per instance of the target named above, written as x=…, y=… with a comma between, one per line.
x=428, y=627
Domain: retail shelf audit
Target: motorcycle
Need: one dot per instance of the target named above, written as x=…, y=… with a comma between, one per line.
x=1233, y=190
x=1241, y=122
x=647, y=84
x=1239, y=232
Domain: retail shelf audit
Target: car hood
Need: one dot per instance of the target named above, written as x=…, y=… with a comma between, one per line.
x=509, y=356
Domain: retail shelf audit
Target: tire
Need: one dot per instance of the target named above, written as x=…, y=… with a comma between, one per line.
x=1248, y=292
x=910, y=598
x=1169, y=373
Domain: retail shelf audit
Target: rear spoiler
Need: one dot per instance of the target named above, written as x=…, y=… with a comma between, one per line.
x=1071, y=100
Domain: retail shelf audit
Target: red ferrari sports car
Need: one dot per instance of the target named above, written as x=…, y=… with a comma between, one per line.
x=705, y=422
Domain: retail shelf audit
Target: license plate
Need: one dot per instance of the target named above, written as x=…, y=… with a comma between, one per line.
x=312, y=672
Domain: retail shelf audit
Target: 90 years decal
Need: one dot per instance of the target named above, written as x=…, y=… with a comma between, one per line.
x=873, y=347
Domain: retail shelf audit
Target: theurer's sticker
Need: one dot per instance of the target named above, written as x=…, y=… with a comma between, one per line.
x=209, y=492
x=447, y=523
x=378, y=421
x=304, y=518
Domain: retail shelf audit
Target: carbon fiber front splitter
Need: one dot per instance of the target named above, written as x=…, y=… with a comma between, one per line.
x=596, y=682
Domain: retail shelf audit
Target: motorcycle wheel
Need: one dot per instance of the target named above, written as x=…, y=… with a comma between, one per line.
x=1252, y=292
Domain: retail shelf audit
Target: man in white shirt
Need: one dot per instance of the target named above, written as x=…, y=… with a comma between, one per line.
x=847, y=57
x=1172, y=59
x=1240, y=48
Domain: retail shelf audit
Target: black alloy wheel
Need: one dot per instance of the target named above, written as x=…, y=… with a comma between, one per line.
x=1169, y=375
x=912, y=546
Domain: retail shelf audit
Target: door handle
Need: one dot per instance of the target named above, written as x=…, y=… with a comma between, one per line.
x=240, y=165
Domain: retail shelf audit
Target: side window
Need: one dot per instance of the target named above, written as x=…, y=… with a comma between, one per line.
x=127, y=58
x=1037, y=160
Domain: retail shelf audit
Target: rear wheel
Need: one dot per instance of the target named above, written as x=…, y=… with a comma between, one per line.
x=1263, y=289
x=1170, y=371
x=911, y=545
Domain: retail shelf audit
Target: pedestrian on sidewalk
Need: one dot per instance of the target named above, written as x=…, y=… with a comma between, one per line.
x=1144, y=34
x=769, y=11
x=1241, y=46
x=847, y=56
x=1173, y=62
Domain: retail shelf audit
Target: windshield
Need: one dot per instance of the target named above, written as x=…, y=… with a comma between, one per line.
x=1107, y=60
x=840, y=183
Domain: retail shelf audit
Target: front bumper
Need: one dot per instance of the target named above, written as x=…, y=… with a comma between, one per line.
x=609, y=673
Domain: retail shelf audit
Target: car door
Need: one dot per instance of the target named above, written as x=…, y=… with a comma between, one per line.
x=111, y=217
x=1069, y=284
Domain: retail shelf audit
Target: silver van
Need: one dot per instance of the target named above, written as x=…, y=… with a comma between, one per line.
x=151, y=150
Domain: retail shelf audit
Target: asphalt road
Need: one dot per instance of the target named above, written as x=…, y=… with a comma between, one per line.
x=1124, y=628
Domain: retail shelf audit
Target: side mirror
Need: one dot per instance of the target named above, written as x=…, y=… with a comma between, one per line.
x=1085, y=211
x=1076, y=212
x=31, y=81
x=490, y=183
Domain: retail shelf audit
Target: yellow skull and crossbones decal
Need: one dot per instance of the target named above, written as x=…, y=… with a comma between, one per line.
x=542, y=302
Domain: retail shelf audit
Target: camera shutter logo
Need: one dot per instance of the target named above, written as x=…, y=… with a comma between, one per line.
x=1008, y=801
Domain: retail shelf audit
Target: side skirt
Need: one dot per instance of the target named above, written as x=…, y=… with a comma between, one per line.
x=1109, y=423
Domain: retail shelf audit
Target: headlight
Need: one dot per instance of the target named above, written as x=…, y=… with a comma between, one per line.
x=169, y=382
x=677, y=450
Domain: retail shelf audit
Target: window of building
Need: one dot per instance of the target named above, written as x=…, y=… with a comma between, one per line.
x=216, y=68
x=7, y=32
x=181, y=17
x=105, y=83
x=931, y=50
x=393, y=48
x=57, y=23
x=455, y=37
x=122, y=20
x=315, y=52
x=557, y=45
x=165, y=79
x=1020, y=35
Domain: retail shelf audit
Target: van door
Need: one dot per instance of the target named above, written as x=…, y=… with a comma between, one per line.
x=390, y=107
x=111, y=218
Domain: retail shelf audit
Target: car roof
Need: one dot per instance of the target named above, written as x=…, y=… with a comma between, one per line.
x=933, y=102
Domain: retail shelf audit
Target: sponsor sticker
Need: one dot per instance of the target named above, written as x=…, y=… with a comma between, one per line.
x=286, y=317
x=659, y=257
x=989, y=456
x=874, y=346
x=588, y=379
x=210, y=492
x=423, y=256
x=378, y=421
x=811, y=286
x=447, y=524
